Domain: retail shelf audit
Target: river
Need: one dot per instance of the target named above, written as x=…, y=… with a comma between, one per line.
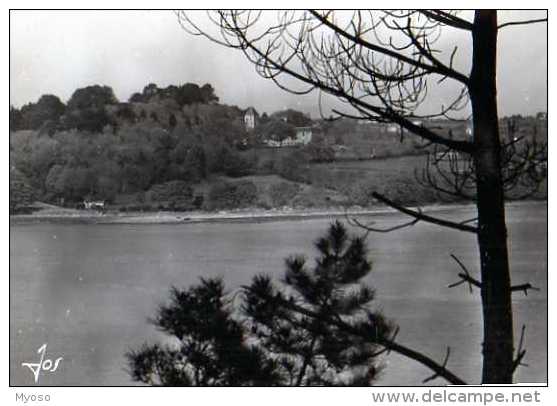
x=87, y=290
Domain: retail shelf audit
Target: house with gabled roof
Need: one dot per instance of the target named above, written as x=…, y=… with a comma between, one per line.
x=251, y=116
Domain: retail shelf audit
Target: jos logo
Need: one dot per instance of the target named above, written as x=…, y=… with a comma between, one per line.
x=43, y=364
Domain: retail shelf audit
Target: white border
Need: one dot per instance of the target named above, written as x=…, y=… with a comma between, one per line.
x=245, y=396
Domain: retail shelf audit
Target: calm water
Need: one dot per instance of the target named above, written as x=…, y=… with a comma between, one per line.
x=87, y=290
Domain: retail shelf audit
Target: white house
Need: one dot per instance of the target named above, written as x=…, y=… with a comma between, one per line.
x=272, y=143
x=93, y=205
x=250, y=118
x=303, y=137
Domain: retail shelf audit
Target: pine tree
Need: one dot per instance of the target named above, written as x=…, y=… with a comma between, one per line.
x=306, y=323
x=317, y=329
x=210, y=348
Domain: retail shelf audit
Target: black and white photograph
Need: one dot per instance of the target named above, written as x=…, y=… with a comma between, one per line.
x=263, y=198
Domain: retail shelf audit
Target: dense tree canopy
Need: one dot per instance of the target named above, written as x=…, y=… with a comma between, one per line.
x=32, y=116
x=276, y=129
x=91, y=97
x=292, y=117
x=92, y=108
x=98, y=147
x=186, y=94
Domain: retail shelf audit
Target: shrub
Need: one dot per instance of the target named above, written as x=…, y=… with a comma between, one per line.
x=282, y=193
x=233, y=164
x=320, y=153
x=21, y=194
x=232, y=195
x=292, y=166
x=198, y=201
x=172, y=193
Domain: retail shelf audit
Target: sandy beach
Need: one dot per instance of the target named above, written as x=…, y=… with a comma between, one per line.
x=54, y=214
x=47, y=213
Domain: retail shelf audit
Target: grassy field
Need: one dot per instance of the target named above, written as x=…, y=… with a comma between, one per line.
x=356, y=180
x=342, y=171
x=400, y=178
x=344, y=183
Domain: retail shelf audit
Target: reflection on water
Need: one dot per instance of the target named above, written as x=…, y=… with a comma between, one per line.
x=87, y=290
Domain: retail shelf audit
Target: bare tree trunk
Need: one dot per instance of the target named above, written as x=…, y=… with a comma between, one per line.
x=492, y=235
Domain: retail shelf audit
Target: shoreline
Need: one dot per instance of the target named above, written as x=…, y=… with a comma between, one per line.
x=252, y=215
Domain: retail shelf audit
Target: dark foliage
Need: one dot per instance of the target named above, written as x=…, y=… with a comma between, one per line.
x=276, y=130
x=233, y=164
x=86, y=110
x=21, y=194
x=172, y=121
x=208, y=94
x=91, y=119
x=92, y=97
x=209, y=349
x=125, y=112
x=297, y=325
x=292, y=166
x=232, y=195
x=172, y=195
x=292, y=117
x=277, y=336
x=33, y=115
x=186, y=94
x=16, y=119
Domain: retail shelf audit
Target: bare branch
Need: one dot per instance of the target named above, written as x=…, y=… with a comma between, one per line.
x=440, y=370
x=538, y=20
x=520, y=352
x=450, y=173
x=465, y=277
x=525, y=287
x=355, y=222
x=472, y=220
x=429, y=219
x=379, y=80
x=445, y=361
x=442, y=70
x=448, y=19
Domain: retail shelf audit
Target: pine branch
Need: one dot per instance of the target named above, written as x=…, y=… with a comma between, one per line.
x=439, y=370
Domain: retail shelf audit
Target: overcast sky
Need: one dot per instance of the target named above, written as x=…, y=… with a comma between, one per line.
x=56, y=52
